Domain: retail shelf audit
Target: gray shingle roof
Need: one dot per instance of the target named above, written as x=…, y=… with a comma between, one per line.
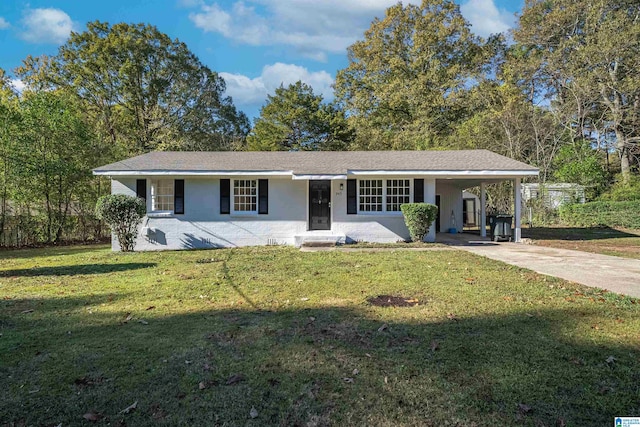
x=316, y=162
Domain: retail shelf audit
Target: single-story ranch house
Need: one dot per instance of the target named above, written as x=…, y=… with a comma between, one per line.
x=223, y=199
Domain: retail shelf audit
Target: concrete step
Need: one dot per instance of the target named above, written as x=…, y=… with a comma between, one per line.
x=319, y=239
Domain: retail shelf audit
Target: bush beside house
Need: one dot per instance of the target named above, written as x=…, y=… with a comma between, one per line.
x=123, y=214
x=418, y=217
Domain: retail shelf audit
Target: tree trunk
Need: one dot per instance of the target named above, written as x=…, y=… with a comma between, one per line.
x=623, y=152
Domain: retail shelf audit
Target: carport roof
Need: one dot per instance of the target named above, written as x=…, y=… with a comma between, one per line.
x=474, y=162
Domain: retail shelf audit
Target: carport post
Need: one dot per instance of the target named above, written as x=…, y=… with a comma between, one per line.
x=517, y=208
x=483, y=210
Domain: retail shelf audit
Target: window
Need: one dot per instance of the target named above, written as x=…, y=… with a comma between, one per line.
x=245, y=195
x=398, y=192
x=370, y=195
x=162, y=195
x=377, y=195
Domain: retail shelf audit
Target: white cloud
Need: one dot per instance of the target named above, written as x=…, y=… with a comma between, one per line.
x=4, y=24
x=317, y=28
x=252, y=92
x=313, y=28
x=486, y=18
x=17, y=84
x=46, y=26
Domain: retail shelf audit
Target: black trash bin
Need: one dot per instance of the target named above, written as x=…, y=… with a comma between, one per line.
x=500, y=226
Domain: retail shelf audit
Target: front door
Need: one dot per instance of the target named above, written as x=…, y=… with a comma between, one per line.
x=320, y=205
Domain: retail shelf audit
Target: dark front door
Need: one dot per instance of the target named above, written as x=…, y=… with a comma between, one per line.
x=320, y=205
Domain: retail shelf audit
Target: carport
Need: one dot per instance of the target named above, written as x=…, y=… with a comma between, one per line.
x=448, y=197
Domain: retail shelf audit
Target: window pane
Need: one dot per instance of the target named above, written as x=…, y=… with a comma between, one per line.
x=370, y=195
x=162, y=194
x=398, y=192
x=245, y=197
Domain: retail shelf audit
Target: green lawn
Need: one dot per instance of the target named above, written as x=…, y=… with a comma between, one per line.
x=606, y=241
x=204, y=337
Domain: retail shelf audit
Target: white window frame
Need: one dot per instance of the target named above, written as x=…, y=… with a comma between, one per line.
x=387, y=195
x=360, y=196
x=153, y=197
x=384, y=211
x=234, y=195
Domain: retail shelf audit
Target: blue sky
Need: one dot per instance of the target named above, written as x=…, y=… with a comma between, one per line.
x=254, y=44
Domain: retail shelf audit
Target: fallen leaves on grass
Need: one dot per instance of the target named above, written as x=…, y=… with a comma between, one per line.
x=435, y=345
x=151, y=307
x=202, y=385
x=27, y=311
x=144, y=322
x=130, y=408
x=383, y=328
x=253, y=413
x=348, y=380
x=234, y=379
x=392, y=301
x=452, y=316
x=92, y=416
x=610, y=360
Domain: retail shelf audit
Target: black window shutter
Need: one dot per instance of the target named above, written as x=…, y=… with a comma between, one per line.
x=141, y=188
x=263, y=196
x=225, y=196
x=418, y=190
x=352, y=199
x=178, y=197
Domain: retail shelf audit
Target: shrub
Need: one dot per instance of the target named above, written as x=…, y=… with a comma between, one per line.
x=602, y=213
x=418, y=217
x=123, y=214
x=623, y=191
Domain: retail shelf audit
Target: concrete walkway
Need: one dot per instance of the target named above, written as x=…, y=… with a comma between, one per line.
x=616, y=274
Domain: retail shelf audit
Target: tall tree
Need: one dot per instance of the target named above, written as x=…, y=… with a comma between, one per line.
x=403, y=82
x=144, y=90
x=54, y=155
x=587, y=55
x=9, y=127
x=294, y=118
x=507, y=123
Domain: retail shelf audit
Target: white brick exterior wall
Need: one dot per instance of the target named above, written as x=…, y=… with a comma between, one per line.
x=202, y=225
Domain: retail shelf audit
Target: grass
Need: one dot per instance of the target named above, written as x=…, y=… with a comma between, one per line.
x=214, y=337
x=607, y=241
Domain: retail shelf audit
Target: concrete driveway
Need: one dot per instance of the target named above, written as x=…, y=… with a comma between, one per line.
x=620, y=275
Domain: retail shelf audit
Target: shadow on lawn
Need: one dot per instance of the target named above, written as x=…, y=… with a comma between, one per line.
x=72, y=270
x=575, y=233
x=320, y=366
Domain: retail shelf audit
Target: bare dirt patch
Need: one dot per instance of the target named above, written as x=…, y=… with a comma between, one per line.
x=392, y=301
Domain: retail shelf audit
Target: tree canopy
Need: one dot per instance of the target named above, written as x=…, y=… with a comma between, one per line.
x=144, y=91
x=294, y=118
x=405, y=80
x=585, y=56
